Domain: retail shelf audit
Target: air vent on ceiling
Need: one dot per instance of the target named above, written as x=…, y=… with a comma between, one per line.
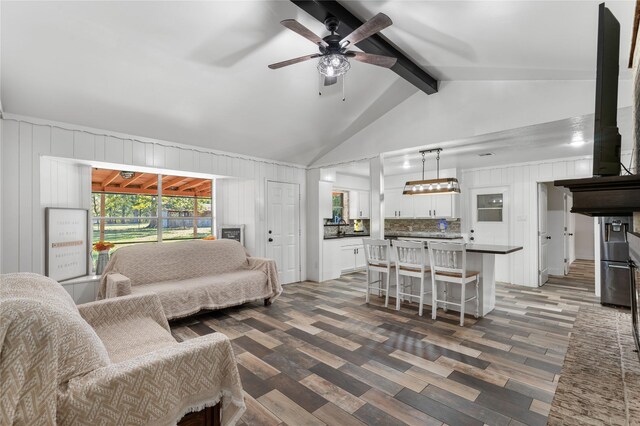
x=485, y=154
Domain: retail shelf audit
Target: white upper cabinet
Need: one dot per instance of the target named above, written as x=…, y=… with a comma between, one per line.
x=397, y=205
x=365, y=204
x=326, y=202
x=359, y=204
x=420, y=206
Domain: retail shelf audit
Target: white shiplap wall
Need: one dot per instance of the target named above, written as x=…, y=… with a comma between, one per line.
x=521, y=179
x=25, y=141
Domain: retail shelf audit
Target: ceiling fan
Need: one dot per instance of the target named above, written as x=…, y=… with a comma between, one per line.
x=334, y=56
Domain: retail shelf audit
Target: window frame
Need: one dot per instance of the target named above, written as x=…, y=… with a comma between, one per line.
x=159, y=210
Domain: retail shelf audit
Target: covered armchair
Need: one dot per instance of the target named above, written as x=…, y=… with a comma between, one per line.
x=108, y=362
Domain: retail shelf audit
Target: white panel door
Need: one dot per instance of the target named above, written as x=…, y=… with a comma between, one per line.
x=283, y=229
x=543, y=236
x=490, y=223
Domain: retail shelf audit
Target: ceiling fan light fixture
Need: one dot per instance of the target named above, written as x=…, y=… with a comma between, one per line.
x=333, y=65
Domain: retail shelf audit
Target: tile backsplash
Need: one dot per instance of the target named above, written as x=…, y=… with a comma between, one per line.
x=419, y=225
x=332, y=230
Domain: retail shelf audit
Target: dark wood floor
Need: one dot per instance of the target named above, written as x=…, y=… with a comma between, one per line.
x=320, y=355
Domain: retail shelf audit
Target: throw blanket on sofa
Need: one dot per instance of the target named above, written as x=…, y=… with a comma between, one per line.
x=189, y=276
x=56, y=370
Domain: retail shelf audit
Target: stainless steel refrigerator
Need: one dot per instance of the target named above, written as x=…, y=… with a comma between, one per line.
x=614, y=261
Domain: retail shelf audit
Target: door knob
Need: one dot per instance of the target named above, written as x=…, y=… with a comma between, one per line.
x=571, y=235
x=548, y=237
x=471, y=238
x=269, y=230
x=270, y=240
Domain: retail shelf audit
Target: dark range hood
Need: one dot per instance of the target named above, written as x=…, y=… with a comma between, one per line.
x=604, y=196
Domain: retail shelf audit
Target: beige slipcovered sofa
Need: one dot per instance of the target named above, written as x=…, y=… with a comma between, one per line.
x=111, y=362
x=189, y=276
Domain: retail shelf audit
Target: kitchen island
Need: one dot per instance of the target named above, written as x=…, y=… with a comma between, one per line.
x=480, y=258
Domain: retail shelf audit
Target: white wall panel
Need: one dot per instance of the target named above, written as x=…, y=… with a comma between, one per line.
x=520, y=267
x=37, y=171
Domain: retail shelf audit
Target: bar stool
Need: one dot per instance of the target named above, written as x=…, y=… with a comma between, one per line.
x=449, y=264
x=411, y=261
x=377, y=254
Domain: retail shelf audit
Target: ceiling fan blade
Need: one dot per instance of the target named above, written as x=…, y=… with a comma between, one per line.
x=370, y=58
x=305, y=32
x=330, y=81
x=369, y=28
x=293, y=61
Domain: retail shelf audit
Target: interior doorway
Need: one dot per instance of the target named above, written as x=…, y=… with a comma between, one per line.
x=283, y=229
x=566, y=241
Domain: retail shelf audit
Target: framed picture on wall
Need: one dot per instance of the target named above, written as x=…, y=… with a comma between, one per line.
x=66, y=243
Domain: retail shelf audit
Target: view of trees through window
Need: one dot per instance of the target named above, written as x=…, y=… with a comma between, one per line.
x=125, y=210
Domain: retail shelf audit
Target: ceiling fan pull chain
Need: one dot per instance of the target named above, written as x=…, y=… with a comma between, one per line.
x=344, y=79
x=320, y=84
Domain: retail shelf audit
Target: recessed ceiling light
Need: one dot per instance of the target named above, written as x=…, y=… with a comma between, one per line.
x=485, y=154
x=406, y=165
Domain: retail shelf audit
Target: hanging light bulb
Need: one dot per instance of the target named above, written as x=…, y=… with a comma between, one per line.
x=414, y=188
x=333, y=65
x=421, y=188
x=430, y=187
x=438, y=186
x=449, y=185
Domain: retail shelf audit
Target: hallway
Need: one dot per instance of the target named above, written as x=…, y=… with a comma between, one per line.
x=581, y=276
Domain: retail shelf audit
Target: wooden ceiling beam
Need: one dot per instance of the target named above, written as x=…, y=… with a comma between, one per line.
x=132, y=180
x=193, y=184
x=151, y=182
x=120, y=190
x=172, y=181
x=112, y=176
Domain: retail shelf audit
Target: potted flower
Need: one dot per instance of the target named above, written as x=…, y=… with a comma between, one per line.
x=102, y=247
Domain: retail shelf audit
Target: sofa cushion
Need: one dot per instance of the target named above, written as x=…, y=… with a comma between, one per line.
x=181, y=298
x=145, y=332
x=41, y=329
x=155, y=262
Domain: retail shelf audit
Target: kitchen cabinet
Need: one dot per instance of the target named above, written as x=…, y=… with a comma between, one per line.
x=341, y=255
x=359, y=204
x=352, y=258
x=434, y=206
x=397, y=205
x=325, y=200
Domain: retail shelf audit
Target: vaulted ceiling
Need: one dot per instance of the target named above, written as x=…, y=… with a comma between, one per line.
x=195, y=72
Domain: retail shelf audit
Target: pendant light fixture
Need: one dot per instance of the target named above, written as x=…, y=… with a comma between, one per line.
x=432, y=186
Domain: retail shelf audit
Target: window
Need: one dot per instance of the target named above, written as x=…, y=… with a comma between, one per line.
x=489, y=207
x=125, y=207
x=337, y=199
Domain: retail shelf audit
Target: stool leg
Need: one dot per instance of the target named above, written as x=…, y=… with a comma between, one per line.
x=397, y=289
x=368, y=285
x=446, y=296
x=477, y=300
x=421, y=295
x=386, y=296
x=434, y=297
x=462, y=303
